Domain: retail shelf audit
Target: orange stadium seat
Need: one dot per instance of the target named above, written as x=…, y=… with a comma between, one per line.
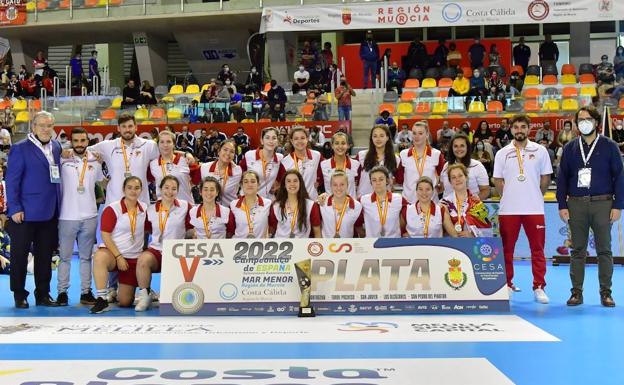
x=569, y=92
x=408, y=96
x=445, y=82
x=109, y=114
x=267, y=87
x=423, y=108
x=412, y=83
x=550, y=80
x=91, y=3
x=467, y=72
x=35, y=104
x=568, y=69
x=587, y=79
x=531, y=105
x=64, y=4
x=518, y=69
x=264, y=120
x=443, y=93
x=532, y=93
x=386, y=107
x=621, y=103
x=495, y=106
x=157, y=114
x=5, y=104
x=42, y=5
x=307, y=110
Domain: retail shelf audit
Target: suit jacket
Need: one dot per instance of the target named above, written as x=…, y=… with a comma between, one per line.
x=28, y=182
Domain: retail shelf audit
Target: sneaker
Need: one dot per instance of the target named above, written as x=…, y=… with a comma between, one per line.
x=154, y=296
x=515, y=288
x=540, y=295
x=101, y=305
x=111, y=297
x=87, y=298
x=62, y=299
x=576, y=298
x=144, y=302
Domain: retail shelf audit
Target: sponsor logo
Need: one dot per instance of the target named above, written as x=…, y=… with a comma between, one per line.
x=335, y=248
x=455, y=327
x=346, y=16
x=605, y=5
x=538, y=10
x=268, y=16
x=315, y=249
x=228, y=291
x=452, y=12
x=455, y=277
x=11, y=13
x=380, y=327
x=11, y=329
x=301, y=20
x=485, y=251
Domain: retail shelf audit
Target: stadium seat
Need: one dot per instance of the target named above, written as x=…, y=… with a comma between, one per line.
x=307, y=110
x=514, y=106
x=192, y=89
x=390, y=97
x=587, y=79
x=495, y=106
x=157, y=114
x=476, y=107
x=42, y=5
x=176, y=90
x=532, y=93
x=267, y=86
x=531, y=105
x=550, y=105
x=264, y=120
x=549, y=69
x=531, y=80
x=167, y=99
x=429, y=83
x=148, y=122
x=426, y=94
x=440, y=108
x=443, y=94
x=550, y=80
x=570, y=105
x=415, y=73
x=4, y=103
x=588, y=91
x=569, y=92
x=108, y=114
x=20, y=105
x=405, y=108
x=445, y=83
x=161, y=90
x=586, y=68
x=432, y=73
x=568, y=79
x=386, y=107
x=141, y=114
x=174, y=114
x=30, y=6
x=35, y=104
x=534, y=70
x=22, y=117
x=551, y=91
x=408, y=96
x=116, y=103
x=518, y=69
x=568, y=69
x=423, y=108
x=412, y=83
x=467, y=72
x=449, y=72
x=90, y=3
x=98, y=123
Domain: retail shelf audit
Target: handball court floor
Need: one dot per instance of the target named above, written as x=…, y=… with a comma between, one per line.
x=587, y=348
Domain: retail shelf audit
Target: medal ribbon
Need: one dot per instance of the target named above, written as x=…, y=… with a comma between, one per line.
x=426, y=220
x=342, y=214
x=460, y=207
x=248, y=214
x=226, y=175
x=162, y=222
x=205, y=220
x=293, y=221
x=382, y=218
x=420, y=161
x=132, y=215
x=125, y=156
x=82, y=173
x=520, y=160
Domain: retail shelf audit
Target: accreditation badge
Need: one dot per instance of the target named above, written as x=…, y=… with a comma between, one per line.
x=55, y=174
x=584, y=177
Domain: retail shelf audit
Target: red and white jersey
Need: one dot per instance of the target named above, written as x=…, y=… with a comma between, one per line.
x=79, y=205
x=372, y=218
x=351, y=167
x=284, y=223
x=175, y=223
x=408, y=172
x=522, y=197
x=331, y=215
x=477, y=176
x=218, y=224
x=267, y=170
x=309, y=168
x=230, y=183
x=138, y=156
x=364, y=185
x=415, y=220
x=178, y=168
x=258, y=216
x=473, y=214
x=115, y=220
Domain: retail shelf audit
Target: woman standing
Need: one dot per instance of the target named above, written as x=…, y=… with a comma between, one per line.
x=210, y=219
x=425, y=218
x=265, y=162
x=481, y=155
x=251, y=211
x=380, y=153
x=460, y=151
x=123, y=228
x=341, y=211
x=304, y=160
x=171, y=163
x=341, y=162
x=292, y=214
x=225, y=171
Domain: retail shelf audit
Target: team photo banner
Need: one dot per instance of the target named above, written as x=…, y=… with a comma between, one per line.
x=349, y=276
x=411, y=14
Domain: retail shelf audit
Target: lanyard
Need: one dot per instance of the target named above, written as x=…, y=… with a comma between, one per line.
x=420, y=161
x=162, y=220
x=132, y=215
x=296, y=159
x=342, y=214
x=163, y=164
x=46, y=149
x=248, y=214
x=125, y=156
x=264, y=171
x=426, y=220
x=382, y=218
x=206, y=221
x=520, y=160
x=591, y=150
x=82, y=173
x=293, y=221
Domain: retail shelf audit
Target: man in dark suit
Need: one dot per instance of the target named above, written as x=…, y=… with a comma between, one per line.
x=33, y=198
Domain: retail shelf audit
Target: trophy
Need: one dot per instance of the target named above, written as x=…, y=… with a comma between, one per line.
x=305, y=282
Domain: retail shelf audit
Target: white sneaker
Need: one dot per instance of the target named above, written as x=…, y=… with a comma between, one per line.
x=144, y=301
x=111, y=297
x=540, y=295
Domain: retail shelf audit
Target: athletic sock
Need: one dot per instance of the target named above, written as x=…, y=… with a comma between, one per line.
x=102, y=293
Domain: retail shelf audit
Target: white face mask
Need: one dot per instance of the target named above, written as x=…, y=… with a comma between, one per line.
x=618, y=127
x=227, y=82
x=585, y=127
x=301, y=69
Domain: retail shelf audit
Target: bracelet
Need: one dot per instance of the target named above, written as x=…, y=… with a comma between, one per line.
x=117, y=256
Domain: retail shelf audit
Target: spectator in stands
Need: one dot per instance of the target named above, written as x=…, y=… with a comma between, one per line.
x=257, y=103
x=617, y=134
x=318, y=77
x=481, y=154
x=380, y=64
x=225, y=74
x=39, y=63
x=276, y=95
x=494, y=57
x=343, y=95
x=440, y=54
x=385, y=118
x=369, y=54
x=7, y=123
x=29, y=86
x=223, y=95
x=551, y=153
x=618, y=63
x=465, y=128
x=186, y=147
x=209, y=94
x=302, y=79
x=14, y=89
x=605, y=75
x=503, y=135
x=461, y=86
x=477, y=86
x=484, y=134
x=396, y=77
x=23, y=73
x=282, y=143
x=76, y=72
x=202, y=151
x=254, y=80
x=566, y=135
x=404, y=138
x=5, y=77
x=417, y=54
x=148, y=94
x=277, y=113
x=454, y=57
x=131, y=94
x=192, y=113
x=548, y=52
x=308, y=56
x=522, y=54
x=545, y=133
x=242, y=142
x=496, y=88
x=327, y=55
x=94, y=68
x=47, y=82
x=236, y=106
x=476, y=53
x=215, y=138
x=444, y=134
x=333, y=76
x=320, y=106
x=514, y=87
x=316, y=138
x=185, y=134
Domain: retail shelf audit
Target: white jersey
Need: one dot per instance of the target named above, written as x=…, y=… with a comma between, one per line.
x=115, y=220
x=138, y=156
x=351, y=168
x=284, y=224
x=79, y=203
x=409, y=171
x=331, y=216
x=230, y=183
x=258, y=217
x=372, y=220
x=175, y=223
x=218, y=224
x=477, y=176
x=522, y=197
x=178, y=168
x=415, y=220
x=309, y=168
x=267, y=170
x=364, y=185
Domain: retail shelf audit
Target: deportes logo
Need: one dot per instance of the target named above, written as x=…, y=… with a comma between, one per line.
x=455, y=277
x=485, y=251
x=335, y=248
x=538, y=10
x=228, y=291
x=381, y=327
x=315, y=249
x=452, y=12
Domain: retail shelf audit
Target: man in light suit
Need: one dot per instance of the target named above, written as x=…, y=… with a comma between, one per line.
x=33, y=196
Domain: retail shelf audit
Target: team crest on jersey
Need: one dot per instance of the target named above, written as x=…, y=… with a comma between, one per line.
x=455, y=277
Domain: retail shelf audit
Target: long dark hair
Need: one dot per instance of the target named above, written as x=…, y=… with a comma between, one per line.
x=290, y=146
x=302, y=196
x=370, y=160
x=451, y=155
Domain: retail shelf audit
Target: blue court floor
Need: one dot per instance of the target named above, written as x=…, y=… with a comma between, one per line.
x=590, y=351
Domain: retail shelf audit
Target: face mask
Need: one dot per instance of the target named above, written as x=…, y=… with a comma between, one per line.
x=604, y=61
x=586, y=127
x=480, y=147
x=253, y=70
x=476, y=74
x=227, y=82
x=618, y=127
x=226, y=68
x=301, y=69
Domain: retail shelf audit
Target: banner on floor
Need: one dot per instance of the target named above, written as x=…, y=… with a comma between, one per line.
x=349, y=276
x=413, y=14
